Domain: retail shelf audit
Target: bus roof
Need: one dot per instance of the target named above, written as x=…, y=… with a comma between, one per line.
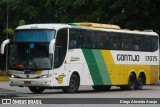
x=86, y=25
x=43, y=26
x=112, y=28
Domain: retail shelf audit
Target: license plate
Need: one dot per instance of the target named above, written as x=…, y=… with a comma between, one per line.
x=27, y=82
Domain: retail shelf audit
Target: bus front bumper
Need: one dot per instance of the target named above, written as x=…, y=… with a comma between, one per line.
x=42, y=82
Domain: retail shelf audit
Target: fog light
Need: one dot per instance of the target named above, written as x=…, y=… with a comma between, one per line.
x=48, y=82
x=10, y=82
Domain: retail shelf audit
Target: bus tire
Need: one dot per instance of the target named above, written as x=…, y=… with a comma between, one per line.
x=108, y=87
x=101, y=88
x=123, y=87
x=131, y=82
x=36, y=90
x=73, y=85
x=140, y=82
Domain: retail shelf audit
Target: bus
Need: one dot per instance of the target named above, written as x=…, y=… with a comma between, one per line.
x=66, y=56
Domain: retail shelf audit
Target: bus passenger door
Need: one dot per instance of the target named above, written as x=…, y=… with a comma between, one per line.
x=60, y=65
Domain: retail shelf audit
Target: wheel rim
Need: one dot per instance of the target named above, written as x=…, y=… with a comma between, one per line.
x=132, y=84
x=140, y=83
x=72, y=84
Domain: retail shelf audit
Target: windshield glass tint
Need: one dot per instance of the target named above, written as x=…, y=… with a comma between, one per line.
x=33, y=56
x=34, y=35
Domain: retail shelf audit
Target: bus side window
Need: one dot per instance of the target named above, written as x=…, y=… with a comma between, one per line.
x=127, y=42
x=147, y=44
x=72, y=39
x=154, y=43
x=80, y=43
x=93, y=40
x=102, y=40
x=72, y=44
x=89, y=40
x=138, y=42
x=115, y=41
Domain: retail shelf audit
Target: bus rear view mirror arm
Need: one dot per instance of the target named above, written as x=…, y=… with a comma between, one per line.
x=4, y=43
x=51, y=45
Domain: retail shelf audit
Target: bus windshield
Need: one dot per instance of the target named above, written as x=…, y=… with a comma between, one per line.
x=30, y=50
x=34, y=35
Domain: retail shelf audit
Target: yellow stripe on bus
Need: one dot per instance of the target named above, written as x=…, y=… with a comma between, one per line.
x=110, y=66
x=38, y=72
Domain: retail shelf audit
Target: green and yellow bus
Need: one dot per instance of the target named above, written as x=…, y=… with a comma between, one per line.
x=66, y=56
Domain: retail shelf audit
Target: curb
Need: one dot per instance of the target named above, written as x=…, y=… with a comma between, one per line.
x=4, y=78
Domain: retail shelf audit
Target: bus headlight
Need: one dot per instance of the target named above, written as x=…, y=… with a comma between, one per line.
x=46, y=76
x=12, y=76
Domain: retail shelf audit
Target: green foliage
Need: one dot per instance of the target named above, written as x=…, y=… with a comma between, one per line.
x=130, y=14
x=21, y=22
x=9, y=31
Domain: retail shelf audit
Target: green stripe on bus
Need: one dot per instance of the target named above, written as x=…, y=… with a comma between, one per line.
x=102, y=67
x=92, y=65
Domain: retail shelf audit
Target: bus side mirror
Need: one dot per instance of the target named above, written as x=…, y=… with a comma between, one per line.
x=4, y=43
x=51, y=46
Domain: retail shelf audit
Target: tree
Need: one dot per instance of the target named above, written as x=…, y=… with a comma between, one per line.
x=130, y=14
x=21, y=22
x=9, y=32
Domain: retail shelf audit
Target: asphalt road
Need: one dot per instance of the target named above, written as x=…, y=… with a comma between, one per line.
x=149, y=91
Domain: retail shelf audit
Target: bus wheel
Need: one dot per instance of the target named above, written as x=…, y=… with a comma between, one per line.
x=101, y=88
x=123, y=87
x=36, y=89
x=140, y=82
x=108, y=87
x=73, y=85
x=131, y=82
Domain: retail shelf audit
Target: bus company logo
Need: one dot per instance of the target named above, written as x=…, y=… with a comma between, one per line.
x=60, y=78
x=6, y=101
